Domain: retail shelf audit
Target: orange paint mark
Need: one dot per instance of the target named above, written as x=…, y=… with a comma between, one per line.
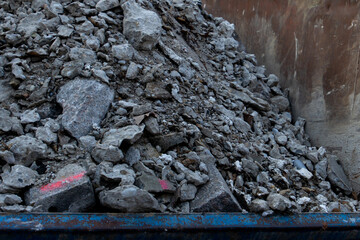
x=61, y=183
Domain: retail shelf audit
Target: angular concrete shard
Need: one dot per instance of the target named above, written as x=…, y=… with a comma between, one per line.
x=115, y=137
x=130, y=199
x=141, y=27
x=337, y=175
x=214, y=196
x=27, y=149
x=85, y=103
x=71, y=191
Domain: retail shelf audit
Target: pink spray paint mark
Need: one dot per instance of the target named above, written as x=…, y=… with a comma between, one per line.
x=163, y=184
x=61, y=183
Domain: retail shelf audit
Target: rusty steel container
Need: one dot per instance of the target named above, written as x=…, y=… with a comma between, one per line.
x=314, y=48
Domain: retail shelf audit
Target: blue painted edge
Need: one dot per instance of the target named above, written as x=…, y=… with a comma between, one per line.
x=206, y=221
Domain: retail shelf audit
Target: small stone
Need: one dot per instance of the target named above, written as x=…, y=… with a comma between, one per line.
x=83, y=54
x=141, y=27
x=7, y=156
x=19, y=177
x=239, y=182
x=156, y=90
x=281, y=139
x=325, y=185
x=303, y=201
x=87, y=142
x=8, y=123
x=120, y=173
x=152, y=126
x=130, y=133
x=30, y=24
x=304, y=173
x=278, y=202
x=27, y=149
x=104, y=5
x=133, y=71
x=123, y=52
x=108, y=153
x=29, y=116
x=85, y=103
x=259, y=205
x=187, y=192
x=101, y=75
x=130, y=199
x=281, y=102
x=17, y=71
x=86, y=27
x=250, y=167
x=169, y=140
x=241, y=125
x=132, y=156
x=153, y=184
x=72, y=69
x=9, y=199
x=46, y=135
x=203, y=168
x=321, y=168
x=65, y=31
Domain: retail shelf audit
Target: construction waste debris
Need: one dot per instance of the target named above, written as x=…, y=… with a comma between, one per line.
x=148, y=106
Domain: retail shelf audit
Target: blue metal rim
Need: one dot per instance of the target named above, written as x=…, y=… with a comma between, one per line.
x=175, y=222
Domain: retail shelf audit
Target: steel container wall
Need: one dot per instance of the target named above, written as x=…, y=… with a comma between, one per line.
x=314, y=47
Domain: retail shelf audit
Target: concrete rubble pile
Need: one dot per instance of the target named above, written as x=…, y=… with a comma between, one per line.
x=148, y=106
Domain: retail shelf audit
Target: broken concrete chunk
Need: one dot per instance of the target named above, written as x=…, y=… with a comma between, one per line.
x=85, y=103
x=121, y=173
x=19, y=177
x=27, y=149
x=30, y=24
x=187, y=192
x=281, y=102
x=259, y=205
x=108, y=153
x=87, y=142
x=156, y=90
x=46, y=135
x=123, y=52
x=153, y=184
x=129, y=199
x=71, y=191
x=132, y=156
x=241, y=125
x=278, y=202
x=141, y=27
x=131, y=133
x=72, y=69
x=7, y=156
x=29, y=116
x=152, y=125
x=104, y=5
x=215, y=196
x=8, y=123
x=168, y=141
x=9, y=199
x=83, y=54
x=133, y=71
x=337, y=175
